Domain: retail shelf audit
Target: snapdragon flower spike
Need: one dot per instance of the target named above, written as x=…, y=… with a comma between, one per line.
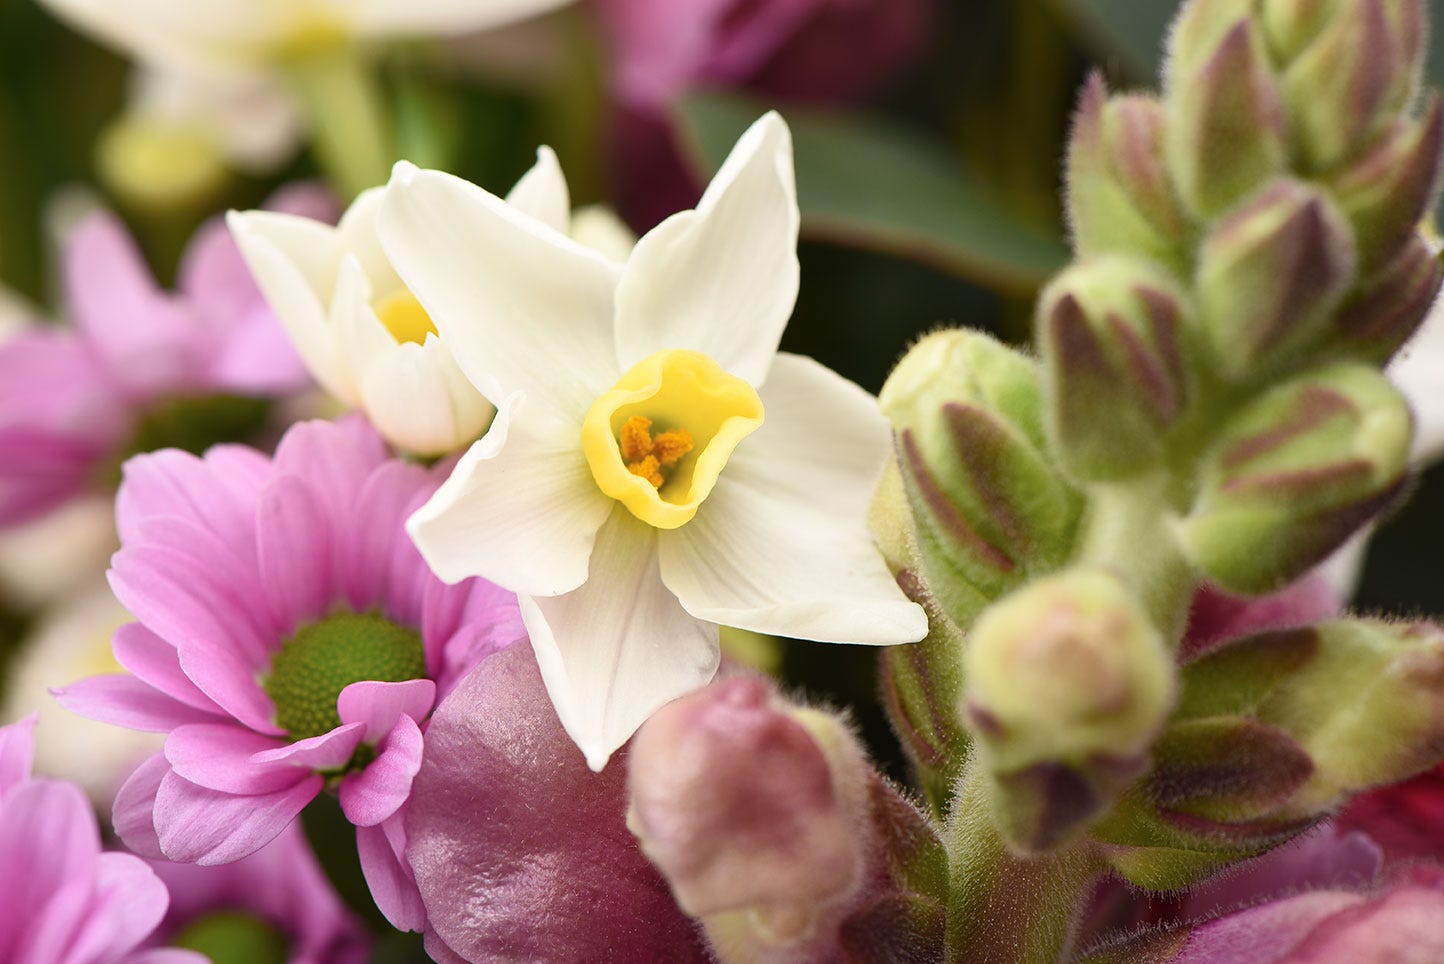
x=760, y=524
x=289, y=639
x=141, y=368
x=271, y=907
x=64, y=900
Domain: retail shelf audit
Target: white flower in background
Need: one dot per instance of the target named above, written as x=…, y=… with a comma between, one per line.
x=70, y=643
x=248, y=117
x=46, y=558
x=656, y=467
x=363, y=335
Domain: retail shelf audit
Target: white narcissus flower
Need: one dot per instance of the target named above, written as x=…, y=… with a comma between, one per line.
x=361, y=332
x=656, y=467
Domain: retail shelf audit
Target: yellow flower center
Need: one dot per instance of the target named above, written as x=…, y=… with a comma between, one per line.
x=404, y=317
x=658, y=441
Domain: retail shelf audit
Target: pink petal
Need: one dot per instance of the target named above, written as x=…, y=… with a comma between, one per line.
x=295, y=550
x=257, y=357
x=519, y=850
x=156, y=661
x=377, y=792
x=219, y=493
x=42, y=470
x=389, y=876
x=329, y=751
x=123, y=700
x=133, y=813
x=201, y=826
x=379, y=705
x=334, y=458
x=128, y=902
x=230, y=681
x=386, y=499
x=220, y=757
x=17, y=753
x=49, y=837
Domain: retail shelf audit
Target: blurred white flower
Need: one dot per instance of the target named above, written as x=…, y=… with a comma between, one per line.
x=47, y=558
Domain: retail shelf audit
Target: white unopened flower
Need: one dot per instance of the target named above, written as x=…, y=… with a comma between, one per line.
x=362, y=333
x=655, y=468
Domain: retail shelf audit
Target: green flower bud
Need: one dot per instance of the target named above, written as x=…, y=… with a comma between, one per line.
x=1391, y=306
x=1111, y=331
x=1228, y=133
x=1068, y=682
x=1270, y=275
x=1295, y=474
x=1389, y=190
x=1291, y=25
x=989, y=509
x=1360, y=71
x=1200, y=28
x=1120, y=198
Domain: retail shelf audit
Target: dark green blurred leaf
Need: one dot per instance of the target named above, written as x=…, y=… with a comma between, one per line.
x=870, y=186
x=1127, y=36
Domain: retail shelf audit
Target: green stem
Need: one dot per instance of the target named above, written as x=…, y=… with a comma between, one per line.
x=347, y=114
x=1004, y=908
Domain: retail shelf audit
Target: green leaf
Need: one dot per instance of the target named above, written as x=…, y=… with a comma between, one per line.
x=1126, y=35
x=869, y=186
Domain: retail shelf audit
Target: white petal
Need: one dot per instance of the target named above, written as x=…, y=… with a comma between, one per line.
x=1418, y=371
x=356, y=234
x=360, y=337
x=405, y=396
x=294, y=260
x=781, y=545
x=249, y=112
x=723, y=279
x=521, y=508
x=542, y=192
x=200, y=36
x=619, y=647
x=521, y=306
x=410, y=17
x=599, y=228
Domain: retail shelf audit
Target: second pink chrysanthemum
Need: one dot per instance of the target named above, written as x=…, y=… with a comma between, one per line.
x=290, y=639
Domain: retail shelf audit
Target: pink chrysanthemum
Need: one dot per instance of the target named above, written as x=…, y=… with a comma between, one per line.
x=290, y=639
x=139, y=367
x=276, y=904
x=63, y=899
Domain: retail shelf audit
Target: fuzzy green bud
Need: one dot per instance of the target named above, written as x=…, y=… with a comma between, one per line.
x=989, y=509
x=1120, y=198
x=1270, y=276
x=1068, y=682
x=1110, y=330
x=1355, y=75
x=1227, y=131
x=1387, y=191
x=1295, y=474
x=1391, y=306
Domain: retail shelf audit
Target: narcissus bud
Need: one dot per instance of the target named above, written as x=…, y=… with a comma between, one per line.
x=1068, y=682
x=1111, y=334
x=1387, y=191
x=771, y=827
x=1359, y=72
x=1270, y=275
x=989, y=508
x=1227, y=131
x=1295, y=474
x=1120, y=198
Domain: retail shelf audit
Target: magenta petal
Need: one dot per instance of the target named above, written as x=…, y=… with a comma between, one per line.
x=256, y=357
x=17, y=753
x=379, y=705
x=201, y=826
x=294, y=549
x=156, y=661
x=231, y=683
x=334, y=458
x=386, y=499
x=128, y=902
x=329, y=751
x=519, y=850
x=133, y=813
x=389, y=877
x=219, y=493
x=220, y=756
x=123, y=700
x=377, y=792
x=166, y=955
x=48, y=835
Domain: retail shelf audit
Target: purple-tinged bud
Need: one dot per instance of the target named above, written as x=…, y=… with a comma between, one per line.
x=1270, y=275
x=1111, y=334
x=1386, y=192
x=1227, y=133
x=1291, y=25
x=1391, y=306
x=771, y=827
x=988, y=507
x=1359, y=73
x=1294, y=474
x=1068, y=683
x=1120, y=197
x=1201, y=26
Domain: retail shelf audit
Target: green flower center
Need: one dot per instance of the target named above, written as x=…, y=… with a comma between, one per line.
x=234, y=937
x=325, y=657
